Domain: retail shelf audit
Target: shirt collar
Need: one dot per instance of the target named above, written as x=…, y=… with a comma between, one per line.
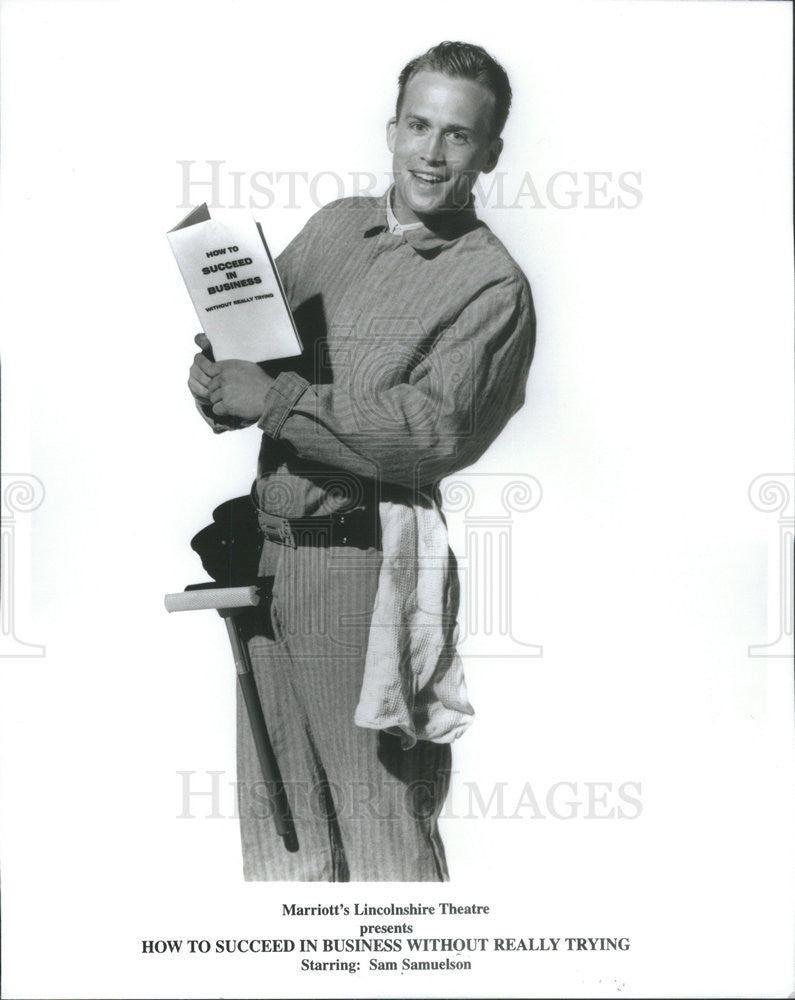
x=395, y=227
x=424, y=240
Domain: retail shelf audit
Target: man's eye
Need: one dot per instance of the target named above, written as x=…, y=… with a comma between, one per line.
x=459, y=138
x=417, y=126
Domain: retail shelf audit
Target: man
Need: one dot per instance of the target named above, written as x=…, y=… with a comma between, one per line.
x=418, y=330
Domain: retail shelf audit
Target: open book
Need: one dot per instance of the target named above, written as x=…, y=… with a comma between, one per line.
x=235, y=287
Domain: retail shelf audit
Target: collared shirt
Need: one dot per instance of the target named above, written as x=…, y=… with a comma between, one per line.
x=416, y=352
x=392, y=224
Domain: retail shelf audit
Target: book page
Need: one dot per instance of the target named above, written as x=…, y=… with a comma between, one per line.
x=234, y=288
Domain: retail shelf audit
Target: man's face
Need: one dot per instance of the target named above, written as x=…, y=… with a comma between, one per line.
x=440, y=144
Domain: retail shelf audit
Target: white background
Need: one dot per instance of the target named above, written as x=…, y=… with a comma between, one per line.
x=661, y=388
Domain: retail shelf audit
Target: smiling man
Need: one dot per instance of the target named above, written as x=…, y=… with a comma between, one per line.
x=445, y=133
x=419, y=330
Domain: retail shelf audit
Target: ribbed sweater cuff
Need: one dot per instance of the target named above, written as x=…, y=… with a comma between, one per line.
x=280, y=398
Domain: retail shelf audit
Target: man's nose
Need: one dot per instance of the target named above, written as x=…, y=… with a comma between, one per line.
x=434, y=148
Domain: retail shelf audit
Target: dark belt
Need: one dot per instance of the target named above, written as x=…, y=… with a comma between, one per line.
x=358, y=529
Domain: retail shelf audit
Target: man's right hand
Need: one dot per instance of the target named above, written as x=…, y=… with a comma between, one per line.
x=202, y=370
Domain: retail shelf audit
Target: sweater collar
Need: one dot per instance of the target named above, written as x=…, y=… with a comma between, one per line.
x=446, y=229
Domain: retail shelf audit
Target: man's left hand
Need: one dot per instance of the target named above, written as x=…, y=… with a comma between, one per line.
x=238, y=390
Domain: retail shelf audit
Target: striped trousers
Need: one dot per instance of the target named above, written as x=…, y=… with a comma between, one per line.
x=364, y=809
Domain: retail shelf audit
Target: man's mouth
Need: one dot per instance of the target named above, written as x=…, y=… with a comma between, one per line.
x=426, y=177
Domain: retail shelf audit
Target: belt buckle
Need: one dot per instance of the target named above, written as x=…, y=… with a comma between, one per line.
x=286, y=536
x=277, y=529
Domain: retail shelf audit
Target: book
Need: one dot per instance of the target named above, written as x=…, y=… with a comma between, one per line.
x=235, y=288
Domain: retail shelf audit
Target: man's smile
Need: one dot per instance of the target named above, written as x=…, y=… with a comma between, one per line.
x=427, y=178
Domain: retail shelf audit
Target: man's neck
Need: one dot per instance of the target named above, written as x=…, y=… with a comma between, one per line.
x=396, y=227
x=445, y=223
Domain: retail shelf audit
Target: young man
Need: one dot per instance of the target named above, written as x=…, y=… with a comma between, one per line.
x=418, y=330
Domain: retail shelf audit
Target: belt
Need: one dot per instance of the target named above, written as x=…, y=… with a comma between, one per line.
x=359, y=528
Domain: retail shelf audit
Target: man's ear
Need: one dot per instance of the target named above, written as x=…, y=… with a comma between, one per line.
x=391, y=128
x=494, y=155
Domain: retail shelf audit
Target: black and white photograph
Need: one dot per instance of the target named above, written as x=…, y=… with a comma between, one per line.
x=398, y=499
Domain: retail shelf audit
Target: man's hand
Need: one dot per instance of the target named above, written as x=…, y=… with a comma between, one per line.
x=202, y=371
x=237, y=389
x=230, y=388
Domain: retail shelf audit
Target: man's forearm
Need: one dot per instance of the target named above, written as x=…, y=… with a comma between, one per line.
x=405, y=436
